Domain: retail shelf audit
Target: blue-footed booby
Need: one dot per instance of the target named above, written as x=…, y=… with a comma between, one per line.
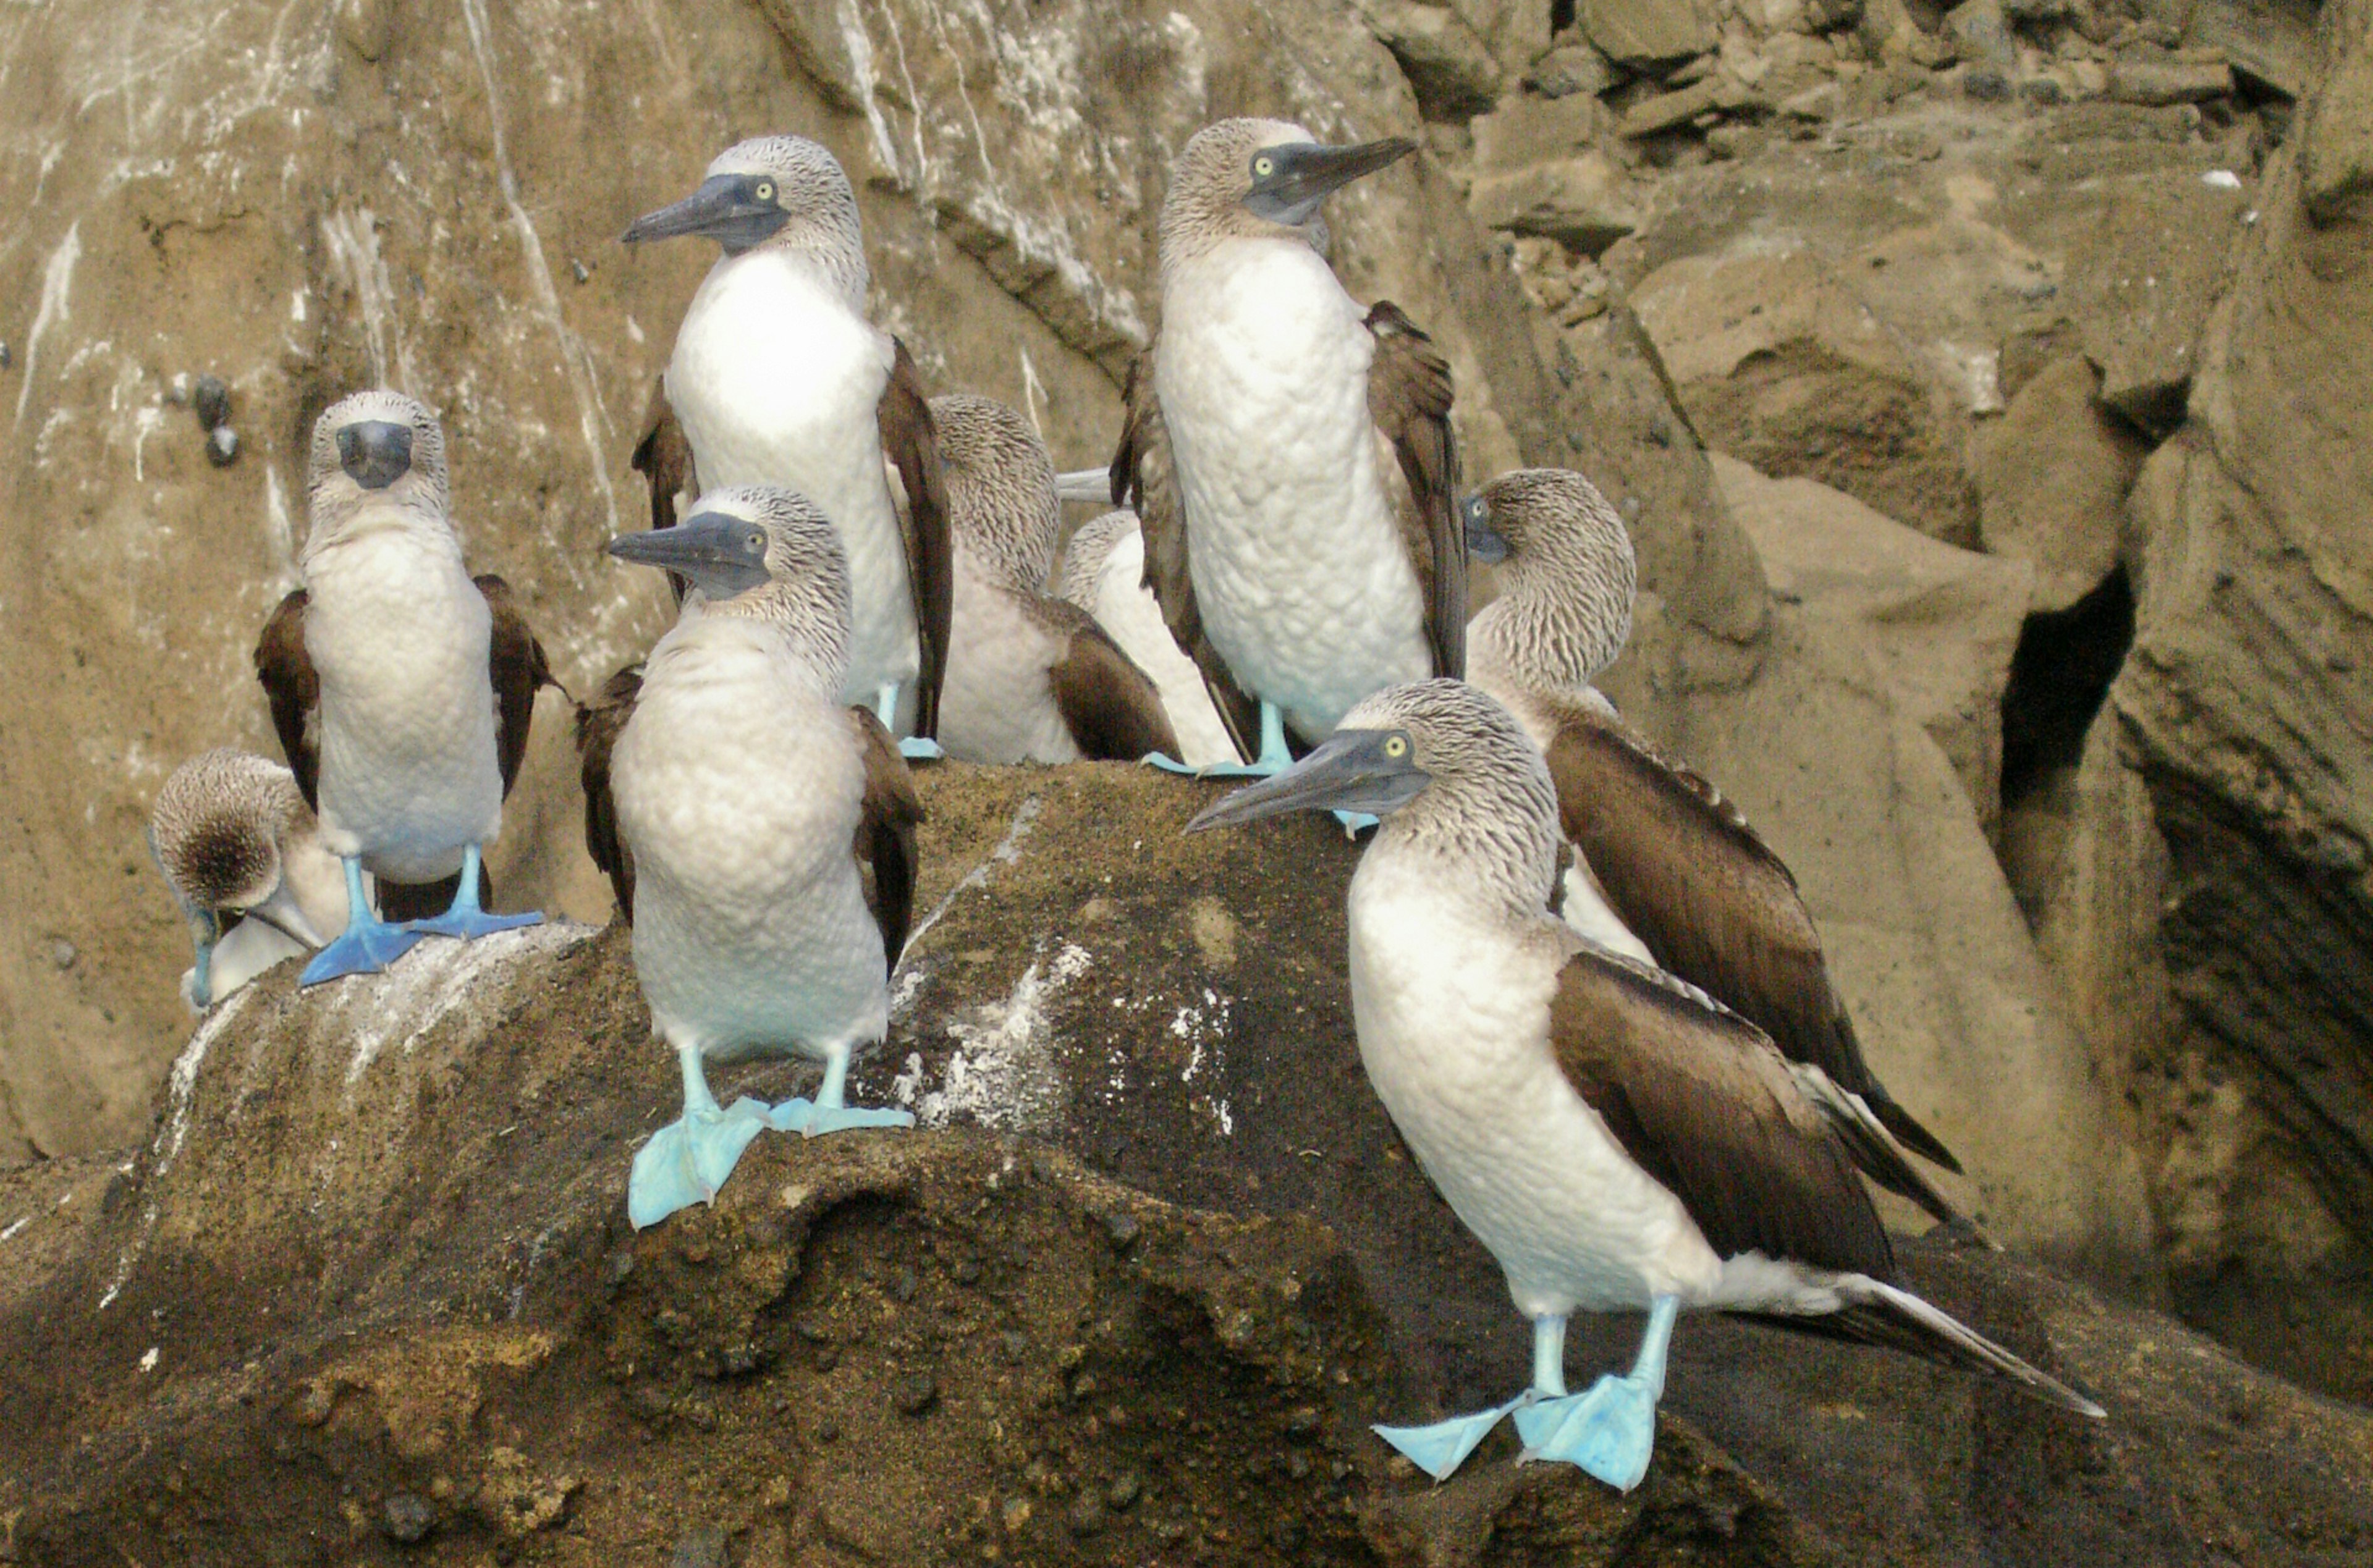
x=760, y=835
x=243, y=855
x=402, y=687
x=1618, y=1140
x=1031, y=677
x=1104, y=574
x=1661, y=855
x=779, y=378
x=1288, y=453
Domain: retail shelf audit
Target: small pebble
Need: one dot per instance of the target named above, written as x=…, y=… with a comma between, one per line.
x=1087, y=1514
x=63, y=954
x=212, y=400
x=1986, y=87
x=916, y=1393
x=7, y=357
x=1125, y=1489
x=827, y=1430
x=584, y=273
x=406, y=1516
x=1122, y=1226
x=701, y=1547
x=222, y=446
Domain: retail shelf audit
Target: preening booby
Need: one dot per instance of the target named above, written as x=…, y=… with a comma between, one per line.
x=1031, y=677
x=243, y=855
x=1104, y=574
x=402, y=687
x=1666, y=857
x=780, y=378
x=760, y=835
x=1297, y=563
x=1617, y=1139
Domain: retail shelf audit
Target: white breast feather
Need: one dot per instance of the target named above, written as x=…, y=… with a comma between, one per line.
x=998, y=704
x=1129, y=612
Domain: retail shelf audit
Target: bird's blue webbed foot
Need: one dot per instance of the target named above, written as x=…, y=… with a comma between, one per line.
x=829, y=1112
x=465, y=920
x=1611, y=1430
x=1274, y=759
x=368, y=944
x=687, y=1161
x=1441, y=1448
x=914, y=747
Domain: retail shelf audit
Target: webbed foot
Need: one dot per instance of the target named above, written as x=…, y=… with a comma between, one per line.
x=1441, y=1448
x=814, y=1120
x=369, y=946
x=687, y=1161
x=1609, y=1431
x=916, y=749
x=466, y=921
x=1355, y=822
x=1274, y=759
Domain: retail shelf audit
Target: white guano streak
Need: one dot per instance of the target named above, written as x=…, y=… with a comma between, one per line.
x=57, y=283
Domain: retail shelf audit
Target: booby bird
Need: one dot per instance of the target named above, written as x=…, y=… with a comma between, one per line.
x=1104, y=574
x=1031, y=677
x=760, y=835
x=1617, y=1139
x=243, y=856
x=1661, y=857
x=1297, y=562
x=402, y=687
x=778, y=378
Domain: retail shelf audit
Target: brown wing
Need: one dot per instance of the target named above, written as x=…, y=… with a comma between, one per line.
x=1143, y=477
x=519, y=670
x=1112, y=708
x=1700, y=1101
x=663, y=457
x=884, y=846
x=1683, y=868
x=911, y=442
x=294, y=691
x=599, y=724
x=1408, y=397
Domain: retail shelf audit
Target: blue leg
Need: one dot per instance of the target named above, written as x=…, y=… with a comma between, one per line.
x=687, y=1161
x=369, y=944
x=1610, y=1431
x=1275, y=756
x=465, y=918
x=914, y=747
x=831, y=1112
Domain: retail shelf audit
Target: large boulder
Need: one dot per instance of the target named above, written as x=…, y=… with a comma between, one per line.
x=367, y=1291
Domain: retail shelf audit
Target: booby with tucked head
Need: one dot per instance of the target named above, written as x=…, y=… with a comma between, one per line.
x=401, y=686
x=243, y=855
x=1104, y=574
x=1616, y=1138
x=1663, y=857
x=778, y=378
x=1031, y=677
x=759, y=834
x=1288, y=453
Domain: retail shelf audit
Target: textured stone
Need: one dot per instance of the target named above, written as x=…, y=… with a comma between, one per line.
x=1585, y=202
x=2052, y=476
x=1647, y=32
x=2140, y=79
x=2141, y=280
x=1450, y=68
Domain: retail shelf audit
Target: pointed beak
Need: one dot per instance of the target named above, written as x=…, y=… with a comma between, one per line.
x=1354, y=769
x=282, y=913
x=1303, y=174
x=1484, y=542
x=206, y=930
x=720, y=555
x=726, y=208
x=375, y=453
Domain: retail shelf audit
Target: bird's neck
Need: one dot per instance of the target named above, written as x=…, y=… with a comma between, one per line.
x=1471, y=852
x=833, y=262
x=337, y=526
x=1552, y=630
x=743, y=630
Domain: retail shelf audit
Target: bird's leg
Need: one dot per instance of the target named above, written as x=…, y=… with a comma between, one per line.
x=1611, y=1430
x=1275, y=755
x=1441, y=1448
x=465, y=918
x=914, y=747
x=369, y=944
x=687, y=1161
x=831, y=1112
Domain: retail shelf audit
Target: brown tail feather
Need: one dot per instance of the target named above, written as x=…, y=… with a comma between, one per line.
x=1878, y=1314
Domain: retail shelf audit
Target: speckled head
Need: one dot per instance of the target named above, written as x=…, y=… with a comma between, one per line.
x=782, y=194
x=1258, y=178
x=1566, y=585
x=757, y=553
x=372, y=448
x=216, y=830
x=1000, y=486
x=1086, y=552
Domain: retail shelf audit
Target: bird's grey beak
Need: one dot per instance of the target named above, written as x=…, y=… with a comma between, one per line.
x=375, y=453
x=1484, y=542
x=206, y=930
x=720, y=555
x=282, y=913
x=1369, y=770
x=1300, y=175
x=726, y=208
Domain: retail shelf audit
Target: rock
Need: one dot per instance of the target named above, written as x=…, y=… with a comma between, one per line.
x=1452, y=70
x=1531, y=130
x=1585, y=202
x=1980, y=36
x=1667, y=110
x=2139, y=80
x=222, y=446
x=211, y=400
x=706, y=1546
x=2141, y=280
x=1564, y=72
x=2052, y=476
x=1646, y=33
x=406, y=1517
x=2269, y=45
x=2336, y=149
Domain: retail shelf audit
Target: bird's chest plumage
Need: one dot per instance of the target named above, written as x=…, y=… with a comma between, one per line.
x=775, y=381
x=399, y=636
x=1127, y=610
x=738, y=796
x=1453, y=1016
x=998, y=704
x=1295, y=544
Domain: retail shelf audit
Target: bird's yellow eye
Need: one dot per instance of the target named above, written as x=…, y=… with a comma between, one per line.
x=1396, y=747
x=766, y=189
x=1263, y=167
x=756, y=543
